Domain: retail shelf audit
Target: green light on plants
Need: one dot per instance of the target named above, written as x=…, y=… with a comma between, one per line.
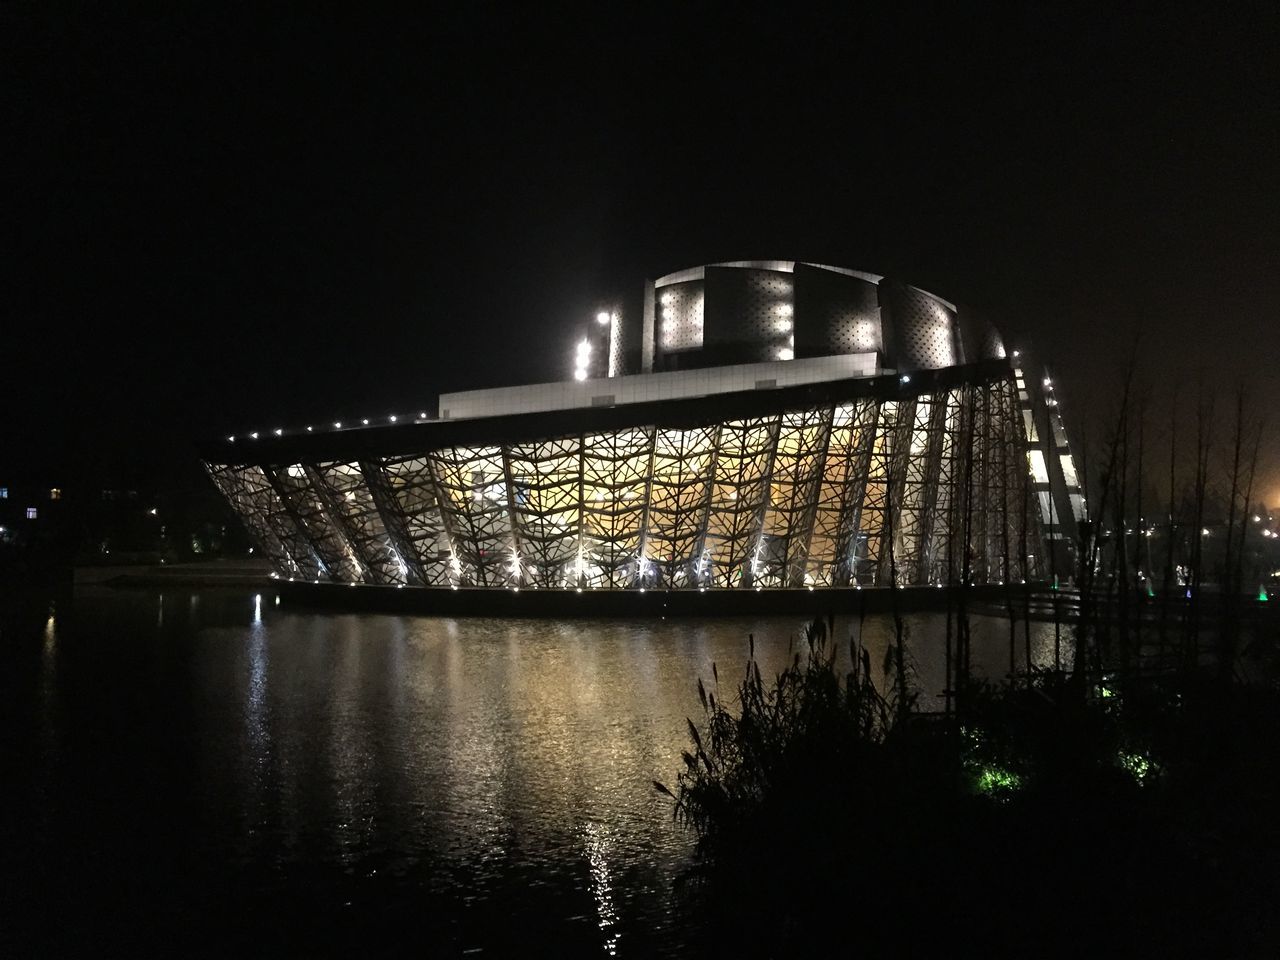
x=997, y=781
x=1262, y=594
x=1137, y=765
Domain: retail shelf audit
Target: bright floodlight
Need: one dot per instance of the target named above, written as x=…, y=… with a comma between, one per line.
x=254, y=435
x=422, y=416
x=279, y=432
x=579, y=374
x=231, y=439
x=602, y=318
x=392, y=418
x=337, y=424
x=365, y=422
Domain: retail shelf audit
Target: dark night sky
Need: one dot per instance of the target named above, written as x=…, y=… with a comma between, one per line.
x=218, y=221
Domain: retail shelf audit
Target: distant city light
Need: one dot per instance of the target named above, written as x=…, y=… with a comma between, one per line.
x=392, y=418
x=422, y=416
x=308, y=429
x=152, y=511
x=254, y=435
x=364, y=422
x=231, y=439
x=279, y=432
x=337, y=424
x=906, y=378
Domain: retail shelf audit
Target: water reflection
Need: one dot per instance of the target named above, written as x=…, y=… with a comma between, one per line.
x=489, y=779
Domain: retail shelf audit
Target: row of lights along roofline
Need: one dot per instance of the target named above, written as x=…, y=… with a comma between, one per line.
x=336, y=425
x=579, y=374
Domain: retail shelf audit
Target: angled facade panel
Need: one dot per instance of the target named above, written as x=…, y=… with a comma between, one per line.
x=833, y=541
x=744, y=457
x=616, y=468
x=793, y=497
x=405, y=493
x=546, y=483
x=680, y=490
x=351, y=504
x=475, y=500
x=253, y=497
x=308, y=509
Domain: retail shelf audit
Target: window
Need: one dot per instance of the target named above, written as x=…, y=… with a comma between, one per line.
x=4, y=493
x=32, y=513
x=55, y=493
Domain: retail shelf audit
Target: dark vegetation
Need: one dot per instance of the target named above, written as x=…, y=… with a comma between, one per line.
x=1038, y=819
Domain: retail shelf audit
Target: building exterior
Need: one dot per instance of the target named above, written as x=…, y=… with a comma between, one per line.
x=763, y=424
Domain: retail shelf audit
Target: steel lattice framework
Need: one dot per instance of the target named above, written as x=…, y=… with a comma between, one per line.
x=894, y=489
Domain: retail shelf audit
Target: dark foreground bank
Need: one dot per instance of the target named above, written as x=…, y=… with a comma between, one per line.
x=1052, y=817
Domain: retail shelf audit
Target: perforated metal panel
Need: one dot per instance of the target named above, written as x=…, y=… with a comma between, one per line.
x=679, y=318
x=992, y=344
x=835, y=313
x=924, y=328
x=750, y=316
x=618, y=345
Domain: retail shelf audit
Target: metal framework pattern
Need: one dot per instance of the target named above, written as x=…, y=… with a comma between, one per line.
x=895, y=489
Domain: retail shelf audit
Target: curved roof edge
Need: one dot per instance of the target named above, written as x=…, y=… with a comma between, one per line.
x=782, y=266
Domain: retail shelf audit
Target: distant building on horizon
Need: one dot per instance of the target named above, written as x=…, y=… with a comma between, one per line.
x=756, y=424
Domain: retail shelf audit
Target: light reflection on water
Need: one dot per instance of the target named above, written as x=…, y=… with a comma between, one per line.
x=461, y=768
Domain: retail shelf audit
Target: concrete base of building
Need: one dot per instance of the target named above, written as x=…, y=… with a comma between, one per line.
x=647, y=604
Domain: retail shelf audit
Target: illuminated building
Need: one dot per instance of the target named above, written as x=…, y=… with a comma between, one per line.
x=766, y=424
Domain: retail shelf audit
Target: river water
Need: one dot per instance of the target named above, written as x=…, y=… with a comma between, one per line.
x=212, y=772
